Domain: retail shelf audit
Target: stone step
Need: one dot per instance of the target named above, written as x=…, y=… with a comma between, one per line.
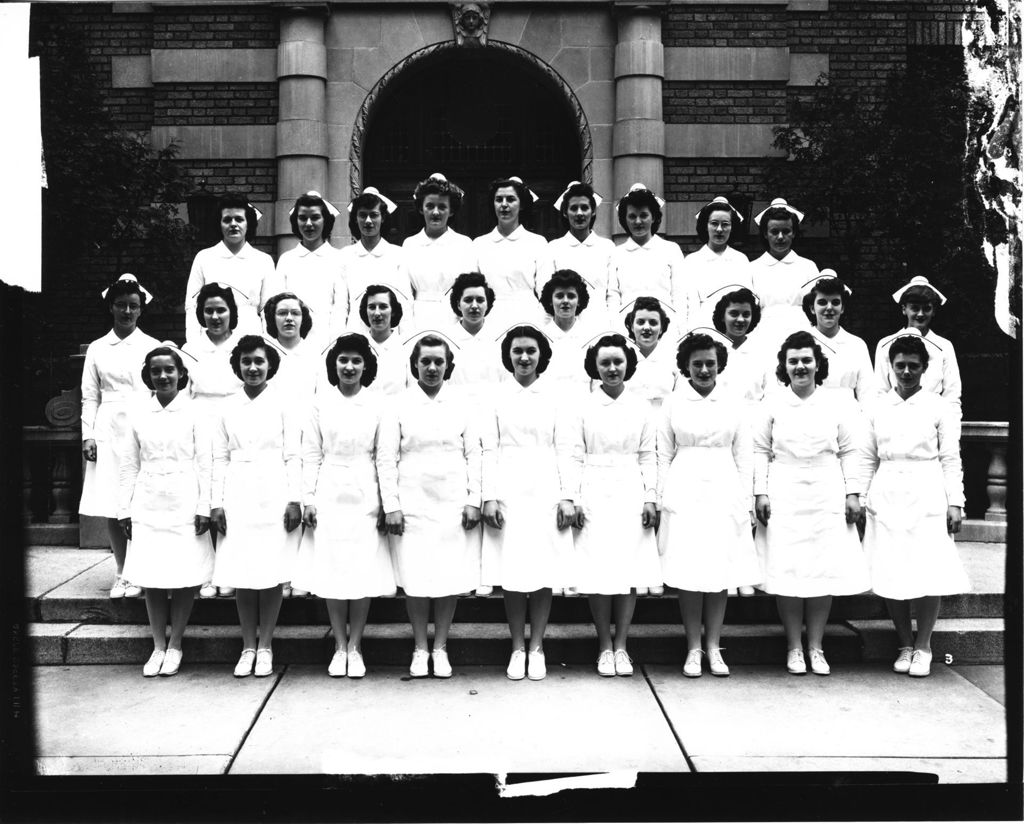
x=967, y=640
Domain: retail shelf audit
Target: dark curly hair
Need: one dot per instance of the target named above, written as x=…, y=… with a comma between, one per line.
x=470, y=280
x=376, y=289
x=641, y=198
x=431, y=186
x=802, y=340
x=648, y=304
x=696, y=342
x=562, y=279
x=579, y=190
x=271, y=307
x=909, y=345
x=159, y=351
x=525, y=332
x=617, y=340
x=777, y=213
x=236, y=200
x=739, y=296
x=367, y=200
x=522, y=192
x=215, y=290
x=352, y=342
x=249, y=344
x=120, y=288
x=825, y=286
x=704, y=215
x=432, y=340
x=311, y=201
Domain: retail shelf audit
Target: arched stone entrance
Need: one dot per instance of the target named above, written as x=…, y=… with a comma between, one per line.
x=474, y=114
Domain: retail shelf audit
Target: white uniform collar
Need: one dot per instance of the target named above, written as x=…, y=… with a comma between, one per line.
x=517, y=234
x=111, y=338
x=243, y=253
x=378, y=251
x=769, y=260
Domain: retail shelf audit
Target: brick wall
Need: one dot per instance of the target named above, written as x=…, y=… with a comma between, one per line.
x=206, y=104
x=729, y=25
x=721, y=102
x=218, y=27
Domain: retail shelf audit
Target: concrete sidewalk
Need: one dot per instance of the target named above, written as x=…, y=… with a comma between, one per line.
x=110, y=720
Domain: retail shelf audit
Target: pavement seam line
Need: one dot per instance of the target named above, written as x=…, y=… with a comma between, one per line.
x=255, y=719
x=679, y=741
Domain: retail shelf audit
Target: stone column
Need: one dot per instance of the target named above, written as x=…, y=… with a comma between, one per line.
x=638, y=135
x=302, y=108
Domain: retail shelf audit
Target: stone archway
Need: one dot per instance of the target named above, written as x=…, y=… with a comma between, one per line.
x=473, y=114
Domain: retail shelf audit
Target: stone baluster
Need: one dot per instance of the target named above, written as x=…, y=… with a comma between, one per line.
x=995, y=481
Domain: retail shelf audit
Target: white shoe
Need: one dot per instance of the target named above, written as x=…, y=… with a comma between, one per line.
x=245, y=662
x=442, y=666
x=656, y=590
x=286, y=590
x=339, y=664
x=819, y=666
x=483, y=591
x=641, y=591
x=716, y=663
x=226, y=592
x=606, y=663
x=623, y=663
x=264, y=663
x=745, y=592
x=356, y=666
x=902, y=662
x=795, y=662
x=131, y=590
x=570, y=592
x=538, y=668
x=420, y=668
x=920, y=664
x=172, y=660
x=517, y=665
x=691, y=666
x=152, y=666
x=299, y=593
x=207, y=590
x=117, y=590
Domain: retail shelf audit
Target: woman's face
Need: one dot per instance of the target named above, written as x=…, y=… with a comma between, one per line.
x=431, y=365
x=233, y=226
x=164, y=375
x=908, y=370
x=378, y=311
x=525, y=356
x=801, y=367
x=702, y=369
x=919, y=314
x=126, y=310
x=828, y=309
x=579, y=213
x=611, y=366
x=349, y=368
x=473, y=304
x=216, y=317
x=506, y=206
x=719, y=229
x=737, y=319
x=255, y=366
x=369, y=219
x=310, y=220
x=288, y=317
x=639, y=220
x=437, y=209
x=565, y=300
x=780, y=237
x=646, y=327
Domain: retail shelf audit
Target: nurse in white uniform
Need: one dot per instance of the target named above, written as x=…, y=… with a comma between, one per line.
x=716, y=263
x=609, y=465
x=526, y=522
x=312, y=270
x=479, y=371
x=257, y=476
x=290, y=323
x=380, y=311
x=370, y=258
x=647, y=264
x=111, y=378
x=437, y=254
x=737, y=314
x=647, y=324
x=344, y=554
x=165, y=503
x=429, y=470
x=914, y=503
x=825, y=303
x=565, y=297
x=919, y=302
x=705, y=483
x=232, y=262
x=583, y=251
x=778, y=276
x=808, y=476
x=514, y=260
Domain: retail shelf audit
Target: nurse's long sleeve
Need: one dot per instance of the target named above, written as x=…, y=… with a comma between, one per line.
x=665, y=444
x=647, y=457
x=489, y=444
x=471, y=452
x=949, y=455
x=203, y=463
x=312, y=457
x=743, y=455
x=91, y=394
x=221, y=458
x=851, y=433
x=762, y=421
x=292, y=454
x=128, y=472
x=389, y=441
x=570, y=449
